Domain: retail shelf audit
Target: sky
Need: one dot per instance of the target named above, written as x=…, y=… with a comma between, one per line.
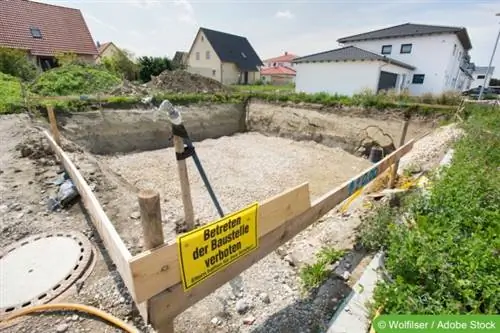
x=302, y=27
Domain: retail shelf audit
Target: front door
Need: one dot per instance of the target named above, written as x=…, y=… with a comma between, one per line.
x=245, y=78
x=387, y=81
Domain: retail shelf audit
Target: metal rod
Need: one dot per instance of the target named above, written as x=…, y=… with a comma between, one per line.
x=204, y=177
x=489, y=66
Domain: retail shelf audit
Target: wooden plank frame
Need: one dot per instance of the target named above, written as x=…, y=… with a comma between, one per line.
x=154, y=275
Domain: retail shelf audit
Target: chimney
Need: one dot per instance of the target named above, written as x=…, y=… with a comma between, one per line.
x=98, y=44
x=286, y=53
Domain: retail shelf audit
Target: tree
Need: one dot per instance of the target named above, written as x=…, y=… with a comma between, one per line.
x=153, y=66
x=16, y=63
x=494, y=82
x=122, y=65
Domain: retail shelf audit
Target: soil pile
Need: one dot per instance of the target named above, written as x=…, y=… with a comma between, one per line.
x=182, y=81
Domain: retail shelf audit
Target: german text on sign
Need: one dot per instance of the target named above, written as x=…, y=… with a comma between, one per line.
x=208, y=249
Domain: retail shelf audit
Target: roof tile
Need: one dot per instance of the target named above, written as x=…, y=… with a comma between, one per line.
x=63, y=29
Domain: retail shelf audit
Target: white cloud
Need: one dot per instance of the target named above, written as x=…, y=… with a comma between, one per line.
x=98, y=21
x=186, y=12
x=286, y=14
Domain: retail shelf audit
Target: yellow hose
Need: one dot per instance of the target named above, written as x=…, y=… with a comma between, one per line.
x=78, y=307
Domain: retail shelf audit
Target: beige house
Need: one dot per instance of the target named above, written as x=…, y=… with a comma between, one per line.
x=227, y=58
x=106, y=50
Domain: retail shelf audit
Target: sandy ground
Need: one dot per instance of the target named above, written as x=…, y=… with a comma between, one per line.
x=257, y=167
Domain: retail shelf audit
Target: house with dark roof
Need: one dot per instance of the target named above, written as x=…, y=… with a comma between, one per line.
x=224, y=57
x=180, y=59
x=414, y=57
x=44, y=30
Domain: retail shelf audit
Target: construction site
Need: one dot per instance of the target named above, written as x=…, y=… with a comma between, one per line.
x=298, y=163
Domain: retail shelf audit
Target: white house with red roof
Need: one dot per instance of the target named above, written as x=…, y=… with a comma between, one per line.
x=44, y=30
x=279, y=70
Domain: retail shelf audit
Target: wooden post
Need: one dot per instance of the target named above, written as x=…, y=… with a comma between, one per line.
x=53, y=124
x=395, y=167
x=184, y=179
x=149, y=203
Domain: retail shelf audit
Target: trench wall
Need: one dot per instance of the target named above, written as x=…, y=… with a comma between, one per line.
x=124, y=131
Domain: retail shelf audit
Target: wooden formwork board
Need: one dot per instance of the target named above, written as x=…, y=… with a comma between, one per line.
x=113, y=243
x=156, y=270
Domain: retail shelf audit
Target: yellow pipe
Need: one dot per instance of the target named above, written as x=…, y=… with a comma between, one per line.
x=76, y=307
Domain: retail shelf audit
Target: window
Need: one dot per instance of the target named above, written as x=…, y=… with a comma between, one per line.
x=207, y=55
x=405, y=48
x=197, y=55
x=214, y=72
x=481, y=76
x=386, y=49
x=36, y=33
x=243, y=55
x=202, y=38
x=418, y=79
x=454, y=49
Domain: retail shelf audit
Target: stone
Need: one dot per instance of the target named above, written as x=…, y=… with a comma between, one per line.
x=290, y=260
x=242, y=306
x=346, y=275
x=216, y=321
x=135, y=215
x=249, y=320
x=62, y=328
x=74, y=317
x=264, y=298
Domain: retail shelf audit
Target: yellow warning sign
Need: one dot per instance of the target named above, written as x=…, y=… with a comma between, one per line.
x=208, y=249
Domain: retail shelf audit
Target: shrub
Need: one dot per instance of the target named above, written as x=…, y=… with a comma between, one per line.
x=73, y=80
x=448, y=262
x=120, y=65
x=16, y=63
x=10, y=94
x=153, y=66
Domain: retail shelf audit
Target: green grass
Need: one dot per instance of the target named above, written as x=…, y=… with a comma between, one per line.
x=264, y=88
x=312, y=275
x=448, y=263
x=10, y=94
x=73, y=80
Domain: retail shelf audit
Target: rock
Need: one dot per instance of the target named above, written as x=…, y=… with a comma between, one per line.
x=346, y=275
x=242, y=306
x=135, y=215
x=20, y=216
x=265, y=298
x=216, y=321
x=290, y=260
x=249, y=320
x=62, y=328
x=74, y=317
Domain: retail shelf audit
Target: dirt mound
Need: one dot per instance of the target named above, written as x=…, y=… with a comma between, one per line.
x=182, y=81
x=34, y=145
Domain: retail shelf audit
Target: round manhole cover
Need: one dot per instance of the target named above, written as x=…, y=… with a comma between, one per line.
x=37, y=269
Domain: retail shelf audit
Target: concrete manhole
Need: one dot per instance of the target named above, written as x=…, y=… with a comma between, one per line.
x=37, y=269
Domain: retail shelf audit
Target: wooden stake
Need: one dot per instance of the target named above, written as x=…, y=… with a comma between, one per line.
x=395, y=167
x=53, y=124
x=186, y=190
x=149, y=203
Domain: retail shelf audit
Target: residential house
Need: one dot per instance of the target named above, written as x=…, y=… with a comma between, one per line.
x=180, y=59
x=227, y=58
x=279, y=75
x=479, y=74
x=43, y=31
x=420, y=58
x=279, y=70
x=285, y=60
x=106, y=50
